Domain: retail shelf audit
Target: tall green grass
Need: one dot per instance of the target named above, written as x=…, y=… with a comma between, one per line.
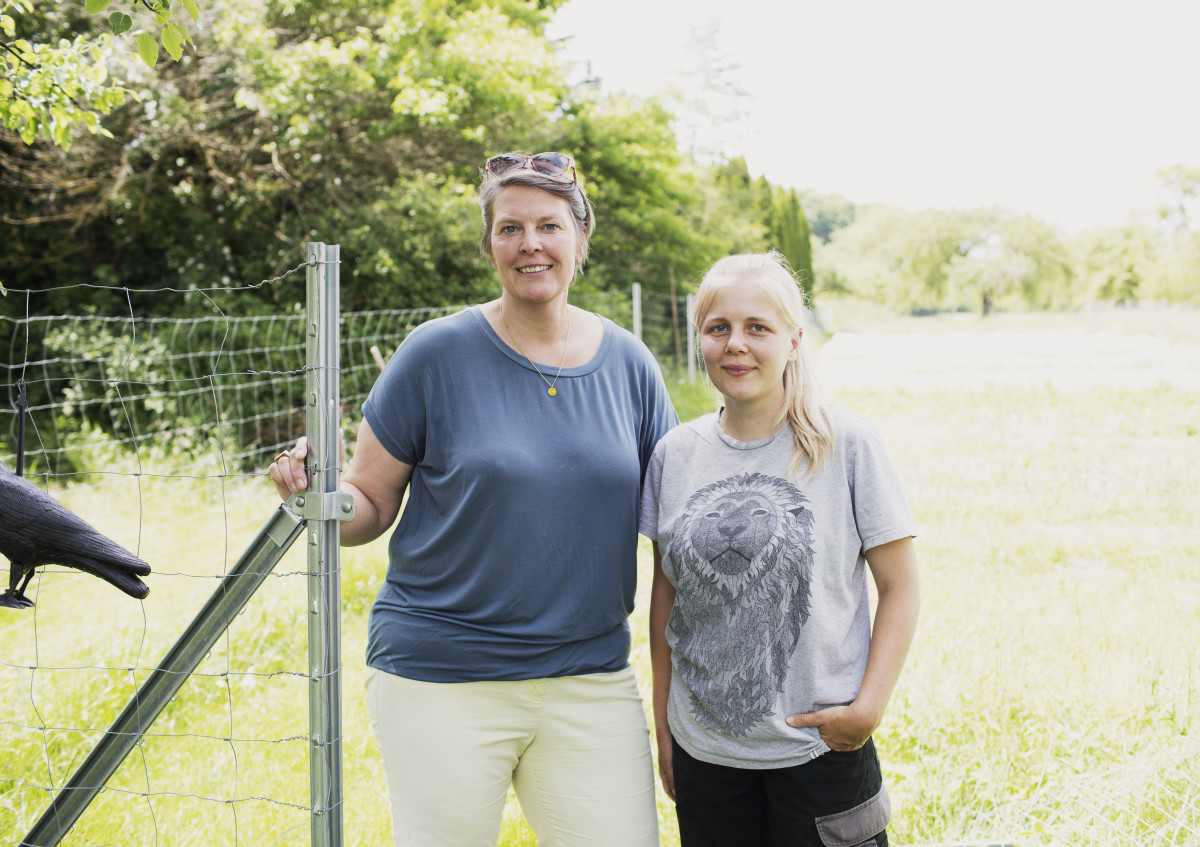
x=1051, y=696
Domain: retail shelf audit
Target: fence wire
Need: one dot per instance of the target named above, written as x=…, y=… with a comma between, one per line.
x=156, y=430
x=152, y=429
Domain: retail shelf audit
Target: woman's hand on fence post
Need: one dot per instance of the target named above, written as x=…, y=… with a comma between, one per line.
x=287, y=471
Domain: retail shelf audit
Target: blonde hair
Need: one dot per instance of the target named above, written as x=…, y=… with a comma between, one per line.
x=803, y=409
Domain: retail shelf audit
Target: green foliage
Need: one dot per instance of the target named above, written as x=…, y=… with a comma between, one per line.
x=414, y=246
x=54, y=69
x=303, y=122
x=1049, y=281
x=1138, y=263
x=365, y=124
x=788, y=232
x=864, y=258
x=827, y=213
x=725, y=215
x=172, y=34
x=50, y=88
x=1182, y=187
x=643, y=193
x=937, y=259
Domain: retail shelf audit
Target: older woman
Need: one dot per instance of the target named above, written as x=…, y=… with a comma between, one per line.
x=498, y=645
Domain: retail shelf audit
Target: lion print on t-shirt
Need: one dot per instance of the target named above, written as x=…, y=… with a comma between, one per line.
x=744, y=553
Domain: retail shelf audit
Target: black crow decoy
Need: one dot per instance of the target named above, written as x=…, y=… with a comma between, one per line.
x=36, y=530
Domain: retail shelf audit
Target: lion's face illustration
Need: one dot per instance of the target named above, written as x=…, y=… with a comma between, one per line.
x=743, y=552
x=737, y=529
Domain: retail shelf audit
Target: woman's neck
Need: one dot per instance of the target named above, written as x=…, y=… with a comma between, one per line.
x=749, y=423
x=540, y=323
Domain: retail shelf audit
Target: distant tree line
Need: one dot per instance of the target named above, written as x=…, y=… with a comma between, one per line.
x=984, y=259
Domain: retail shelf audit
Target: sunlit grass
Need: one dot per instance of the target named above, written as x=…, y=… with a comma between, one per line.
x=1061, y=587
x=1051, y=697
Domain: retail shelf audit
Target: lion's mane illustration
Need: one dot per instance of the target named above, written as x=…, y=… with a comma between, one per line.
x=744, y=552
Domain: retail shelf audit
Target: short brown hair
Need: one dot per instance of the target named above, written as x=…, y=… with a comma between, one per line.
x=581, y=208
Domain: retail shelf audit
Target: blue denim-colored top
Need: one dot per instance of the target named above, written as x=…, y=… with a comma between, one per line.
x=515, y=553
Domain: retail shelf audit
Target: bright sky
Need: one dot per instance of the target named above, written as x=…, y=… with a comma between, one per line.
x=1065, y=109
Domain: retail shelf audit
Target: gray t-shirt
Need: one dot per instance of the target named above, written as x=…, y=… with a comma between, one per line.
x=771, y=614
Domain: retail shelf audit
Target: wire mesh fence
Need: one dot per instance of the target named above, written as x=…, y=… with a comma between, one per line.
x=156, y=430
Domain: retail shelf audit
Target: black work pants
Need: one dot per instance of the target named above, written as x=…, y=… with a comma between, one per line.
x=835, y=799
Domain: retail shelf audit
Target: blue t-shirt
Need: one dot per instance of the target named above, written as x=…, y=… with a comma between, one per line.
x=515, y=555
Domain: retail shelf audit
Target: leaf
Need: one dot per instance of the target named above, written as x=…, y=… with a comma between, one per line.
x=147, y=48
x=192, y=9
x=162, y=16
x=96, y=6
x=120, y=22
x=173, y=37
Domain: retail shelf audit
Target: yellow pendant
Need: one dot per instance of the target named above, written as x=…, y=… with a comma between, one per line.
x=551, y=391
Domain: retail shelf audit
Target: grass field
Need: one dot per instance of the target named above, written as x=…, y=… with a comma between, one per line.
x=1052, y=695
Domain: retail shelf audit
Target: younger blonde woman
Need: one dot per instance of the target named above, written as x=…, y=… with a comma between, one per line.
x=767, y=515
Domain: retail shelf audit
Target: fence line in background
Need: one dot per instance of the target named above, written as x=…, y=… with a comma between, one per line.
x=139, y=381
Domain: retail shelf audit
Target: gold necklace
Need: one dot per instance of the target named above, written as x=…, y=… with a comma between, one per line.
x=551, y=390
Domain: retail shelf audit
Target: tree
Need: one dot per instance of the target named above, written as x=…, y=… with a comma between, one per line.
x=1182, y=188
x=1020, y=256
x=827, y=213
x=787, y=230
x=647, y=196
x=360, y=122
x=862, y=260
x=708, y=105
x=990, y=268
x=1053, y=276
x=282, y=129
x=54, y=65
x=1114, y=262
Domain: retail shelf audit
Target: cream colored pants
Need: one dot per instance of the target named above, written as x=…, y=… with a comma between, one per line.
x=576, y=749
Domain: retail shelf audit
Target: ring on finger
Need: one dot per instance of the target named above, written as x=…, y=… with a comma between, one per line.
x=283, y=455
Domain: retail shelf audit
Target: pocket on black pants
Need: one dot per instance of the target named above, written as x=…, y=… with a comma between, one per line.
x=861, y=809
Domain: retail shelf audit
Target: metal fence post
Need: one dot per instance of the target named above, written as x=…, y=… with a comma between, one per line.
x=691, y=340
x=637, y=310
x=322, y=393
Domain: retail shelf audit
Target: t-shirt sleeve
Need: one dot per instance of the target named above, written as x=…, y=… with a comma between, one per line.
x=648, y=512
x=659, y=416
x=396, y=408
x=880, y=508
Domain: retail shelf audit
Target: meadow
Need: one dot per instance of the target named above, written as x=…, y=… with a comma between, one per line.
x=1051, y=697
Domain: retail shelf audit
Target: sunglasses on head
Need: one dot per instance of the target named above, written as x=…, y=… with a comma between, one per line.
x=554, y=165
